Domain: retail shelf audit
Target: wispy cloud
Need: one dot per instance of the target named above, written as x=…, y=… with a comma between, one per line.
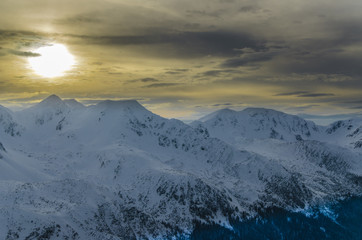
x=221, y=104
x=23, y=53
x=297, y=93
x=149, y=80
x=305, y=94
x=160, y=85
x=316, y=95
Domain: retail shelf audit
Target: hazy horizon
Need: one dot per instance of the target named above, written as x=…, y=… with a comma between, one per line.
x=322, y=120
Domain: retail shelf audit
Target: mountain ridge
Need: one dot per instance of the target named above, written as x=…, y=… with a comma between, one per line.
x=116, y=170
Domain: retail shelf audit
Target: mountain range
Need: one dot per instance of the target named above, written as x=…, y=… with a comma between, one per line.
x=115, y=170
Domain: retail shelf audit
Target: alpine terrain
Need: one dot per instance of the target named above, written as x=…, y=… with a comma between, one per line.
x=115, y=170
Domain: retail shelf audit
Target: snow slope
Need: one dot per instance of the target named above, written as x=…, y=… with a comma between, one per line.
x=258, y=123
x=115, y=170
x=347, y=133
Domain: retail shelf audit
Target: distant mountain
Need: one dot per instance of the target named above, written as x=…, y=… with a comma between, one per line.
x=74, y=104
x=328, y=119
x=7, y=123
x=347, y=133
x=115, y=170
x=258, y=123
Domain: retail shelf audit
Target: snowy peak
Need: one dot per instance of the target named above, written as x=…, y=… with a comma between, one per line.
x=262, y=111
x=4, y=110
x=258, y=123
x=51, y=103
x=129, y=106
x=344, y=125
x=120, y=103
x=52, y=100
x=74, y=104
x=222, y=113
x=347, y=133
x=52, y=109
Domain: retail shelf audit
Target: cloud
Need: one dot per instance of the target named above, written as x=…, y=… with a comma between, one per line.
x=149, y=80
x=291, y=93
x=304, y=94
x=251, y=47
x=23, y=53
x=160, y=85
x=316, y=95
x=203, y=13
x=79, y=19
x=222, y=104
x=302, y=108
x=249, y=57
x=324, y=63
x=247, y=9
x=352, y=104
x=217, y=73
x=183, y=44
x=177, y=71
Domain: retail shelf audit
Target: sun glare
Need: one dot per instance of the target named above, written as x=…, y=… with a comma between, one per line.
x=53, y=61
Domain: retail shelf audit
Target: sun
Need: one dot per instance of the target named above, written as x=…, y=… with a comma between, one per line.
x=53, y=61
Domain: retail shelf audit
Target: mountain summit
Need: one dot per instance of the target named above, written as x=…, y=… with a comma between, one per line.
x=261, y=123
x=52, y=100
x=115, y=170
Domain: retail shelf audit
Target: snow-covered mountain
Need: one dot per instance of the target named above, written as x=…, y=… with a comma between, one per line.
x=258, y=123
x=115, y=170
x=347, y=133
x=7, y=124
x=298, y=145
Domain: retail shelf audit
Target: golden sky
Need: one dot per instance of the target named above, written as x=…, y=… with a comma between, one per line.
x=186, y=58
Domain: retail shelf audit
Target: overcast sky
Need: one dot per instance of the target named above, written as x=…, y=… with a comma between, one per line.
x=185, y=58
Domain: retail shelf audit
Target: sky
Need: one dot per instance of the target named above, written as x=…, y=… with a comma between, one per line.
x=186, y=58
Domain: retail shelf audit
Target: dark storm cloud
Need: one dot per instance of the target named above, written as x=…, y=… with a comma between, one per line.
x=160, y=85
